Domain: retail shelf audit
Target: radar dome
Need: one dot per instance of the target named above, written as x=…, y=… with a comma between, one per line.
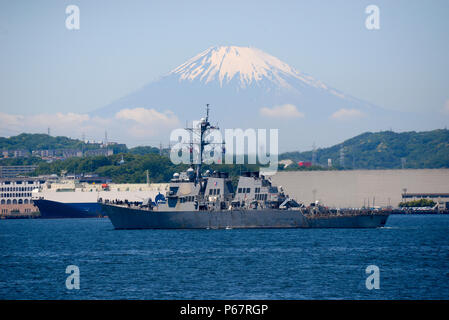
x=190, y=172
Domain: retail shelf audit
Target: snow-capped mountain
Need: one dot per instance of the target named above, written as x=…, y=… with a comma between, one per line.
x=249, y=66
x=249, y=88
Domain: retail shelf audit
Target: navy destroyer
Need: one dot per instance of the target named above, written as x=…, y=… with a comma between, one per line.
x=208, y=200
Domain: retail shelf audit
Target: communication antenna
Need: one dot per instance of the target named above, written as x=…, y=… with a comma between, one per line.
x=313, y=153
x=404, y=193
x=48, y=130
x=105, y=138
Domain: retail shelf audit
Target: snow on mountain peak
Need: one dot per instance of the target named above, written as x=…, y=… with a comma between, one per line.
x=247, y=65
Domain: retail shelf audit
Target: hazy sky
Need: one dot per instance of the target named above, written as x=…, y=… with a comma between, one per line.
x=122, y=45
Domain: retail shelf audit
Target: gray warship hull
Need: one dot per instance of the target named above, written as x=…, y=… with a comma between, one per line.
x=130, y=218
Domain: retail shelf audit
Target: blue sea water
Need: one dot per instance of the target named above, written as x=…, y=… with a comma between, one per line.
x=412, y=253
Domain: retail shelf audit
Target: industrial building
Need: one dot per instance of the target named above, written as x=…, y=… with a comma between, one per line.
x=358, y=188
x=14, y=171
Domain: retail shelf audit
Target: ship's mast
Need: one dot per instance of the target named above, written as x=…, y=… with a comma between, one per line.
x=204, y=126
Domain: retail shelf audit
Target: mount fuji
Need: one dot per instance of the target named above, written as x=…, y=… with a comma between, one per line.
x=248, y=88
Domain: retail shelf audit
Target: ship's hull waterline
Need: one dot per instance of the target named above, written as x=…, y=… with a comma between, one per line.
x=130, y=218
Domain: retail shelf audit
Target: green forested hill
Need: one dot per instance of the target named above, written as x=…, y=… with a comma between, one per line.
x=385, y=150
x=132, y=170
x=29, y=142
x=40, y=141
x=142, y=150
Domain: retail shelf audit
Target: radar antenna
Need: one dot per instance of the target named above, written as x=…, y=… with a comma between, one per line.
x=204, y=126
